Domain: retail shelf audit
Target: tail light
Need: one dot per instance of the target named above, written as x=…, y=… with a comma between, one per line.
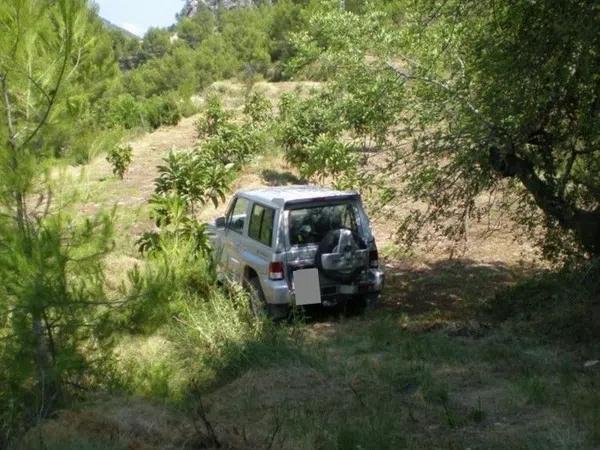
x=374, y=259
x=276, y=271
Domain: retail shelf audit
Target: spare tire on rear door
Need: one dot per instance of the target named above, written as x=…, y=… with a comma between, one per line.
x=342, y=255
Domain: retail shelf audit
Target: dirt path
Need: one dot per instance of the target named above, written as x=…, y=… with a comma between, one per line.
x=138, y=183
x=150, y=149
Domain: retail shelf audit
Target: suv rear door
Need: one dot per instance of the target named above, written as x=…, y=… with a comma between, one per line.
x=308, y=222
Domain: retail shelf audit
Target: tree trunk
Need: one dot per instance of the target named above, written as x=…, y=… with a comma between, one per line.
x=43, y=366
x=584, y=224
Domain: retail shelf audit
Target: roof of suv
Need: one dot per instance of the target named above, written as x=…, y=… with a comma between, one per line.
x=281, y=195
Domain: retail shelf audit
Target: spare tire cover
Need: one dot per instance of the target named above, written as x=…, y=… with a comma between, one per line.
x=342, y=255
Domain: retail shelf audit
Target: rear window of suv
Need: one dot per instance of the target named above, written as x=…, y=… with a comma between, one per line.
x=310, y=225
x=261, y=224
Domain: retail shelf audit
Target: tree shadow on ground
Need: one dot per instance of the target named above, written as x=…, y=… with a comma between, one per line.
x=434, y=294
x=437, y=292
x=453, y=288
x=279, y=178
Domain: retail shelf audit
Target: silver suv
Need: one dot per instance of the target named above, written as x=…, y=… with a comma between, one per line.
x=298, y=245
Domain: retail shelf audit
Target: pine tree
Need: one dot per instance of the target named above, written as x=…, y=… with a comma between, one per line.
x=50, y=266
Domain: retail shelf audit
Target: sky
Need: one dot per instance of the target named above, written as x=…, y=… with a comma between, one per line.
x=137, y=16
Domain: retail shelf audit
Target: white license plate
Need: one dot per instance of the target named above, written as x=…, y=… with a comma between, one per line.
x=307, y=287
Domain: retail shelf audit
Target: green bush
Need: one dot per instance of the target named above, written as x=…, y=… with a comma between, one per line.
x=126, y=112
x=120, y=158
x=167, y=280
x=212, y=118
x=234, y=144
x=311, y=132
x=172, y=216
x=161, y=110
x=174, y=72
x=195, y=177
x=258, y=107
x=187, y=107
x=209, y=331
x=228, y=143
x=303, y=121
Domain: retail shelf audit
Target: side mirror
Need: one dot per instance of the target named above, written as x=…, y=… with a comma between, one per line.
x=220, y=222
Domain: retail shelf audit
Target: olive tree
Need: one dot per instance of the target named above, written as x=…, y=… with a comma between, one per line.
x=498, y=98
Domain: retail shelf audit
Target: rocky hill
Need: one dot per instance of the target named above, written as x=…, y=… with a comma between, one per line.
x=191, y=7
x=111, y=26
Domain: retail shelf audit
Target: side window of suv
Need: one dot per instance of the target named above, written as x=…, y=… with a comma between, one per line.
x=261, y=224
x=236, y=218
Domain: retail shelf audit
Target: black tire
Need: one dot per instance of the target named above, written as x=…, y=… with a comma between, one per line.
x=278, y=312
x=258, y=304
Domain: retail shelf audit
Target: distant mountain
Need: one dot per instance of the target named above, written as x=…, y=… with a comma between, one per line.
x=112, y=26
x=191, y=7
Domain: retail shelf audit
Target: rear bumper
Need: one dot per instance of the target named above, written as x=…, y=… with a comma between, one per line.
x=279, y=293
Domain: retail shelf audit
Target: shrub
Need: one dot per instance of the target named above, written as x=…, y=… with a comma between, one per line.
x=233, y=144
x=120, y=158
x=258, y=107
x=187, y=179
x=219, y=339
x=174, y=72
x=212, y=118
x=187, y=107
x=125, y=112
x=211, y=333
x=311, y=133
x=171, y=214
x=303, y=121
x=195, y=177
x=170, y=277
x=162, y=111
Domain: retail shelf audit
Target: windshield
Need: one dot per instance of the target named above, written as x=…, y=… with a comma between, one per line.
x=310, y=225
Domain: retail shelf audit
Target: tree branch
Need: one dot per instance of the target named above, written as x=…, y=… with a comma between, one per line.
x=585, y=224
x=442, y=86
x=562, y=185
x=8, y=112
x=54, y=92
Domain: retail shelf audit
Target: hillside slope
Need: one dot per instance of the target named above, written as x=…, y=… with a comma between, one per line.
x=425, y=369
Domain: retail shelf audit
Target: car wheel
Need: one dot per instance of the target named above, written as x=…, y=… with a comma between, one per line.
x=258, y=304
x=278, y=312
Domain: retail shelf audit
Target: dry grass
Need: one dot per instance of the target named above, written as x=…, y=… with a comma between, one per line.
x=115, y=423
